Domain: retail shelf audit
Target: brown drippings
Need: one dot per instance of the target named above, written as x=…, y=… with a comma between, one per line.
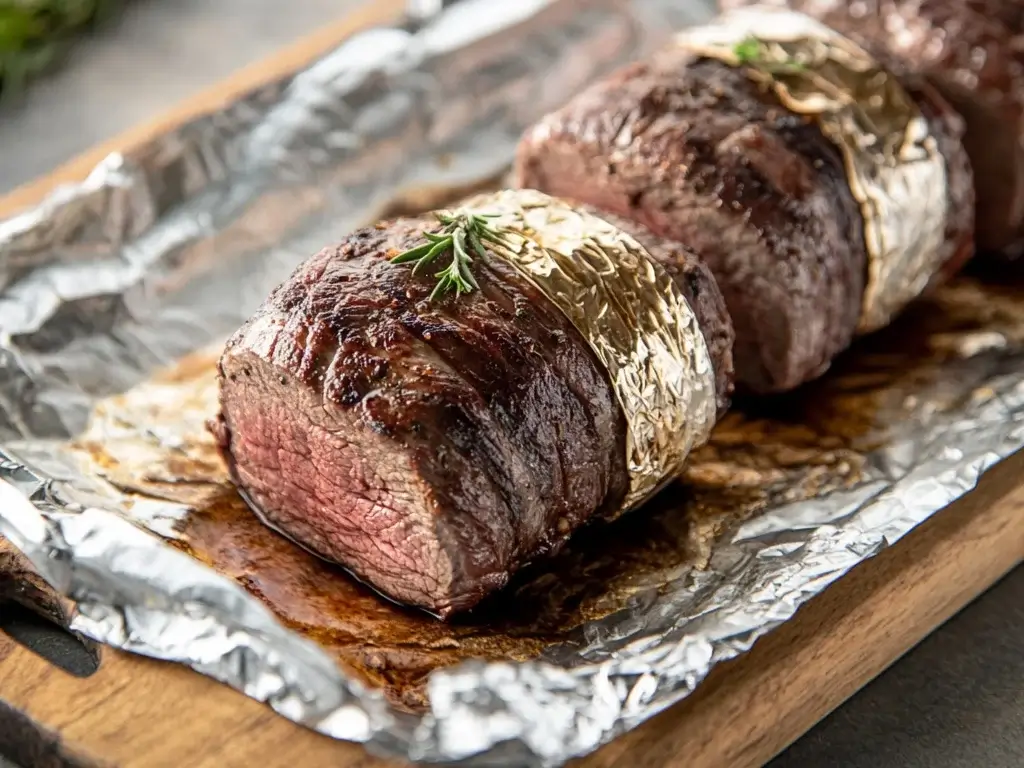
x=152, y=441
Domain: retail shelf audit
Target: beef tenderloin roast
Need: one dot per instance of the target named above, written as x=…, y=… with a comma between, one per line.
x=431, y=447
x=699, y=153
x=973, y=51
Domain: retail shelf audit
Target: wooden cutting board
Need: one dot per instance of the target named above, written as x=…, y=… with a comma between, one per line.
x=134, y=711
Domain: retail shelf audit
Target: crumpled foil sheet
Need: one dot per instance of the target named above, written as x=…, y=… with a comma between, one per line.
x=167, y=249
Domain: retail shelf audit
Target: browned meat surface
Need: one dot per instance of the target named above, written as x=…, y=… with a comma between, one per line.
x=431, y=448
x=697, y=152
x=973, y=51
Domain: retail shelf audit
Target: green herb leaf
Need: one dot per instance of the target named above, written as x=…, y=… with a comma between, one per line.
x=35, y=33
x=752, y=52
x=463, y=234
x=748, y=50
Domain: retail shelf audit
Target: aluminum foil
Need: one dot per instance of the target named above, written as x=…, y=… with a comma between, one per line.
x=630, y=312
x=895, y=170
x=167, y=249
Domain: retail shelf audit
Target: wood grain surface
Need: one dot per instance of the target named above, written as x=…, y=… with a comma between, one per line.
x=139, y=712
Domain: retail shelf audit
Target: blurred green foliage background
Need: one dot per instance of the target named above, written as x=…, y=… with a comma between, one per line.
x=34, y=35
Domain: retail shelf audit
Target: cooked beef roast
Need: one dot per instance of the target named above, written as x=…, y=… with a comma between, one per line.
x=699, y=153
x=695, y=150
x=972, y=50
x=434, y=447
x=430, y=447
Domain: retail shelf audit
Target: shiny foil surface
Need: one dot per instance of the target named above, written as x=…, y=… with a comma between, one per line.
x=116, y=293
x=630, y=312
x=893, y=164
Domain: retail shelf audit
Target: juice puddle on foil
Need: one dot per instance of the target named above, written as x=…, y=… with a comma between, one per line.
x=152, y=442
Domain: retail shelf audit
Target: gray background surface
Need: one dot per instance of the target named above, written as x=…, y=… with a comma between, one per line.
x=956, y=701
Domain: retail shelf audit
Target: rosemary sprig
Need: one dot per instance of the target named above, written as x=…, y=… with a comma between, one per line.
x=752, y=52
x=463, y=234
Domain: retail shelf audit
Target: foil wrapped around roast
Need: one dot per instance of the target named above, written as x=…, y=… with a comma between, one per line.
x=893, y=165
x=436, y=402
x=633, y=316
x=119, y=292
x=824, y=192
x=971, y=51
